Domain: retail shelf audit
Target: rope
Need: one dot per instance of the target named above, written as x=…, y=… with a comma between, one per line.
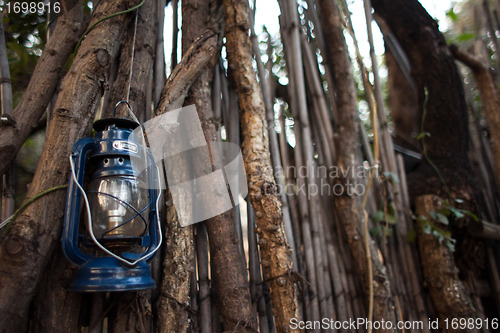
x=366, y=236
x=132, y=56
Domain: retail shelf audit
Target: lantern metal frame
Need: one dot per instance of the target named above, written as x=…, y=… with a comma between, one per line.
x=112, y=272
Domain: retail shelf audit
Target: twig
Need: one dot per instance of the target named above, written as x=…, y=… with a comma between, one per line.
x=28, y=202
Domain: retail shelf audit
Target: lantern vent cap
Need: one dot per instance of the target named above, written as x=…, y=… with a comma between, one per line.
x=102, y=124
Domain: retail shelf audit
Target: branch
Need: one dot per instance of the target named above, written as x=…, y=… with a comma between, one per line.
x=26, y=250
x=42, y=85
x=185, y=73
x=485, y=230
x=468, y=59
x=177, y=264
x=275, y=253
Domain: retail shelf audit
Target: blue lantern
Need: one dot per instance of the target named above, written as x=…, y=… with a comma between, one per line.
x=113, y=180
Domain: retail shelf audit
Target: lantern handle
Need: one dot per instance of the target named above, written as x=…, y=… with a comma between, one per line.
x=129, y=109
x=91, y=232
x=131, y=113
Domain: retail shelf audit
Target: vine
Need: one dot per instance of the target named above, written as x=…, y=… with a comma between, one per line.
x=430, y=226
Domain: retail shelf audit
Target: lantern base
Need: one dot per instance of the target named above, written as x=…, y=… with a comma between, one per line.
x=106, y=274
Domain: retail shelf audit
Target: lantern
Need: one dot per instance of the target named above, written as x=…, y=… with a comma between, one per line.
x=113, y=189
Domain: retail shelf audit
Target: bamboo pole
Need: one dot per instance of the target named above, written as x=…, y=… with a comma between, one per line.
x=322, y=110
x=256, y=287
x=204, y=318
x=309, y=164
x=305, y=222
x=159, y=66
x=175, y=34
x=491, y=28
x=194, y=293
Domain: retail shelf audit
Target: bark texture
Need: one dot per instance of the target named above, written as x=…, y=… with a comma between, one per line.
x=55, y=308
x=439, y=85
x=142, y=66
x=275, y=252
x=489, y=98
x=185, y=73
x=347, y=148
x=49, y=69
x=25, y=251
x=132, y=310
x=442, y=112
x=173, y=302
x=403, y=105
x=440, y=273
x=228, y=263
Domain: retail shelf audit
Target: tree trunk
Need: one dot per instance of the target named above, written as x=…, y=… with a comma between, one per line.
x=44, y=80
x=129, y=85
x=173, y=306
x=173, y=302
x=347, y=207
x=27, y=248
x=440, y=273
x=403, y=105
x=55, y=308
x=233, y=293
x=131, y=82
x=275, y=253
x=489, y=98
x=442, y=113
x=434, y=71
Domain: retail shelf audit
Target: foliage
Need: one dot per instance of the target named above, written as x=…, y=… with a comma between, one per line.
x=384, y=219
x=441, y=218
x=25, y=35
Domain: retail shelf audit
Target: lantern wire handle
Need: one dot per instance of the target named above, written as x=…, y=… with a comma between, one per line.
x=131, y=113
x=102, y=247
x=129, y=109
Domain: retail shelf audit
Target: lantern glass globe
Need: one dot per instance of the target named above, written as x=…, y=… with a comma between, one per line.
x=119, y=208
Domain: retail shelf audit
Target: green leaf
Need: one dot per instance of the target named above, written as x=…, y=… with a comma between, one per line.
x=391, y=219
x=426, y=228
x=471, y=214
x=422, y=218
x=442, y=218
x=452, y=15
x=438, y=235
x=423, y=135
x=465, y=37
x=375, y=231
x=392, y=177
x=378, y=216
x=445, y=211
x=456, y=212
x=450, y=243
